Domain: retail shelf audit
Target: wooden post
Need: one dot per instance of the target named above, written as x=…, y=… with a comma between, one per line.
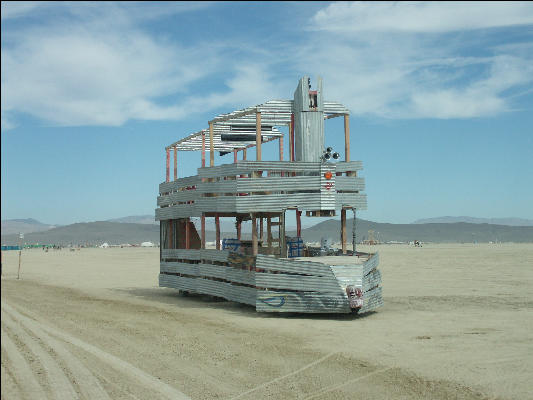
x=354, y=241
x=254, y=235
x=175, y=163
x=258, y=135
x=234, y=155
x=269, y=231
x=291, y=138
x=211, y=146
x=168, y=166
x=343, y=230
x=187, y=233
x=282, y=243
x=203, y=230
x=298, y=223
x=346, y=137
x=281, y=148
x=217, y=226
x=170, y=234
x=261, y=229
x=239, y=222
x=244, y=154
x=203, y=150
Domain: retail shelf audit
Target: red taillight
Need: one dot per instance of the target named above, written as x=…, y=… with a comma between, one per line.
x=328, y=175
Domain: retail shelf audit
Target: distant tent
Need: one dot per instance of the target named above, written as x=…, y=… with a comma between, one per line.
x=104, y=246
x=147, y=244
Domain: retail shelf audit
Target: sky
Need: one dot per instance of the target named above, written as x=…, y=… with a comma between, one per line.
x=440, y=94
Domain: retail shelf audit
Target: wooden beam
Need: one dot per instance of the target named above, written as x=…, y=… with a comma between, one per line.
x=281, y=148
x=217, y=227
x=238, y=225
x=187, y=233
x=334, y=116
x=168, y=166
x=298, y=223
x=203, y=231
x=291, y=138
x=254, y=236
x=269, y=231
x=175, y=163
x=244, y=154
x=343, y=230
x=258, y=135
x=170, y=234
x=203, y=150
x=261, y=229
x=282, y=243
x=234, y=155
x=346, y=137
x=211, y=146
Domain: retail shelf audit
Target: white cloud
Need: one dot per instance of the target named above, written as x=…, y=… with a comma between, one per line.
x=421, y=16
x=392, y=60
x=98, y=69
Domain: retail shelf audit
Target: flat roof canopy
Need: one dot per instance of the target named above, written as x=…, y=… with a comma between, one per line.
x=242, y=124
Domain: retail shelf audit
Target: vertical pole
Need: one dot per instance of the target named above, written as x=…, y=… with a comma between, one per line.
x=282, y=243
x=291, y=138
x=258, y=135
x=211, y=146
x=254, y=235
x=20, y=255
x=217, y=226
x=281, y=148
x=347, y=137
x=175, y=163
x=261, y=229
x=244, y=154
x=239, y=228
x=170, y=234
x=343, y=230
x=269, y=231
x=234, y=155
x=187, y=233
x=298, y=223
x=203, y=230
x=353, y=233
x=168, y=166
x=203, y=150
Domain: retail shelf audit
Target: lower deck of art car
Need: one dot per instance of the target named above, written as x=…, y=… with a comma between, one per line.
x=306, y=284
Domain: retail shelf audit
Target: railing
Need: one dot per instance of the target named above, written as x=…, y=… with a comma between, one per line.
x=263, y=186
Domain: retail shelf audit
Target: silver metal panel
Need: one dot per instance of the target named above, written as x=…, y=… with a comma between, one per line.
x=176, y=197
x=322, y=284
x=270, y=263
x=345, y=166
x=302, y=302
x=167, y=187
x=195, y=254
x=179, y=268
x=240, y=276
x=349, y=183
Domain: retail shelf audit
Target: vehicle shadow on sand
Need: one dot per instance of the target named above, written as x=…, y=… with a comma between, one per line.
x=203, y=301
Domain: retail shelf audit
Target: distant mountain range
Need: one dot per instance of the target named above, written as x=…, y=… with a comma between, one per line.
x=472, y=220
x=12, y=226
x=136, y=219
x=95, y=233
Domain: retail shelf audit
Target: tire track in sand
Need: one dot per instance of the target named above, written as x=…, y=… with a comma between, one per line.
x=59, y=384
x=88, y=385
x=146, y=380
x=21, y=370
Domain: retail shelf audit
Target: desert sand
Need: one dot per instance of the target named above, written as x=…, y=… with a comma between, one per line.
x=457, y=324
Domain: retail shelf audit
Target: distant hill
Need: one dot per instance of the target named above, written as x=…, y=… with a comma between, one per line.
x=95, y=233
x=16, y=226
x=472, y=220
x=91, y=233
x=136, y=219
x=460, y=232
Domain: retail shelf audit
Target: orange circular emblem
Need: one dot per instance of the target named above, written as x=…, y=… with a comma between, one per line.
x=328, y=175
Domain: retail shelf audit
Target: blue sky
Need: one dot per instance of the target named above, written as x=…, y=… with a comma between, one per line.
x=441, y=97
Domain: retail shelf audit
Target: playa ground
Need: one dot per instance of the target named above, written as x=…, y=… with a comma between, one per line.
x=93, y=323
